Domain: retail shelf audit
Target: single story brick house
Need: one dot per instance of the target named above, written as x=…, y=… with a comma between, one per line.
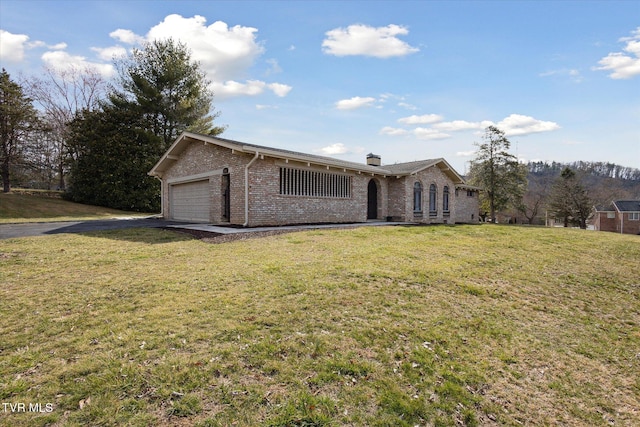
x=220, y=181
x=622, y=216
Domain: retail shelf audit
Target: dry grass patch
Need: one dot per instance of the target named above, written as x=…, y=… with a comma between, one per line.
x=407, y=326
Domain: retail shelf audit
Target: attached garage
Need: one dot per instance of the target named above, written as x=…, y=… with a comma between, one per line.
x=190, y=201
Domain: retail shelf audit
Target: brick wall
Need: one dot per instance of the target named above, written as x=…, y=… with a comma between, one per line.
x=461, y=207
x=603, y=223
x=267, y=206
x=629, y=226
x=467, y=207
x=198, y=159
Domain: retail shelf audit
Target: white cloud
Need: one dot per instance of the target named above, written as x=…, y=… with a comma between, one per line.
x=279, y=89
x=109, y=53
x=224, y=52
x=460, y=125
x=266, y=107
x=357, y=39
x=517, y=124
x=421, y=120
x=388, y=130
x=407, y=106
x=429, y=133
x=354, y=103
x=59, y=46
x=624, y=66
x=12, y=46
x=274, y=67
x=466, y=153
x=232, y=88
x=126, y=36
x=60, y=60
x=573, y=74
x=333, y=149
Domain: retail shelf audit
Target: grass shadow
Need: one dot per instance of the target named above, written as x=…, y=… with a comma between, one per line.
x=150, y=236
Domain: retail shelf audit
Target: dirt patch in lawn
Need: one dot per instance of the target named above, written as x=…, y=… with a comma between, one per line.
x=216, y=238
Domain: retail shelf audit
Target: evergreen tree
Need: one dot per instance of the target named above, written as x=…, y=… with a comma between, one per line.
x=498, y=173
x=171, y=91
x=18, y=119
x=115, y=156
x=569, y=199
x=162, y=93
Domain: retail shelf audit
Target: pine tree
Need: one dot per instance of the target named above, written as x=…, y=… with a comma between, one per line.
x=162, y=93
x=498, y=173
x=115, y=156
x=168, y=88
x=18, y=119
x=569, y=200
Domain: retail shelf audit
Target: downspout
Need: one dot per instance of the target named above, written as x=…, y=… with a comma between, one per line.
x=161, y=196
x=246, y=189
x=621, y=222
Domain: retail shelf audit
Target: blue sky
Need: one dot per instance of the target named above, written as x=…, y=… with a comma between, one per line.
x=407, y=80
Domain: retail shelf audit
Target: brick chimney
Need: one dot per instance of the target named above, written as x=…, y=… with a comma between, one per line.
x=373, y=159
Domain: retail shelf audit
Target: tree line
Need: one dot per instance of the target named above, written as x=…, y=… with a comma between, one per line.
x=95, y=139
x=538, y=191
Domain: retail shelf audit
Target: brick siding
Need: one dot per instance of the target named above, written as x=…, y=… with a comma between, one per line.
x=200, y=161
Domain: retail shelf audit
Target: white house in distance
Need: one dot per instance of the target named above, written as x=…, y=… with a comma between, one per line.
x=219, y=181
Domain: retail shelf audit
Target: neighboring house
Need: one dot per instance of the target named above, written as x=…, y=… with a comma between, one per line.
x=622, y=216
x=220, y=181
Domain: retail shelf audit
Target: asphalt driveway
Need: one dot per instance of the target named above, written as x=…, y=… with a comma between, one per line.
x=8, y=231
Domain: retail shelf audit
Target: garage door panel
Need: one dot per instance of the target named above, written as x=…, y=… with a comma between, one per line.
x=191, y=201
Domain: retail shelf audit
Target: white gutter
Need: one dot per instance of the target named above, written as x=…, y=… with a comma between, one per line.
x=161, y=193
x=246, y=189
x=621, y=217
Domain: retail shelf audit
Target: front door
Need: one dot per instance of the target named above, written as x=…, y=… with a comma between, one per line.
x=372, y=200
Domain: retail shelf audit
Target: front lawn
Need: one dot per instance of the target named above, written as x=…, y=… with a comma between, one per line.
x=445, y=325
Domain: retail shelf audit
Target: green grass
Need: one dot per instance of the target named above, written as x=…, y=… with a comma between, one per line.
x=16, y=207
x=376, y=326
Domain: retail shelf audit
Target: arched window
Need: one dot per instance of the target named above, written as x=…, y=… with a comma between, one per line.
x=445, y=199
x=433, y=194
x=417, y=197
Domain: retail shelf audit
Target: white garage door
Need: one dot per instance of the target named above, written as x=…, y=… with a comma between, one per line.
x=190, y=201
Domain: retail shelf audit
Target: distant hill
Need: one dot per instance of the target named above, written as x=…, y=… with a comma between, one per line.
x=604, y=181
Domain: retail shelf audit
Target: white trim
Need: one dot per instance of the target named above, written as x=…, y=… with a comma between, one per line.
x=196, y=177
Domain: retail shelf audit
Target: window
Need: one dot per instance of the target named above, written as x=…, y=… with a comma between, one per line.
x=300, y=182
x=634, y=216
x=417, y=197
x=445, y=199
x=611, y=215
x=470, y=193
x=433, y=210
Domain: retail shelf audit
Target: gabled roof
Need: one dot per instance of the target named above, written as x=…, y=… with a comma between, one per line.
x=603, y=208
x=627, y=205
x=398, y=169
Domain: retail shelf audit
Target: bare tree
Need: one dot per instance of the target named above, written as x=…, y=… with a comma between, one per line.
x=61, y=94
x=535, y=198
